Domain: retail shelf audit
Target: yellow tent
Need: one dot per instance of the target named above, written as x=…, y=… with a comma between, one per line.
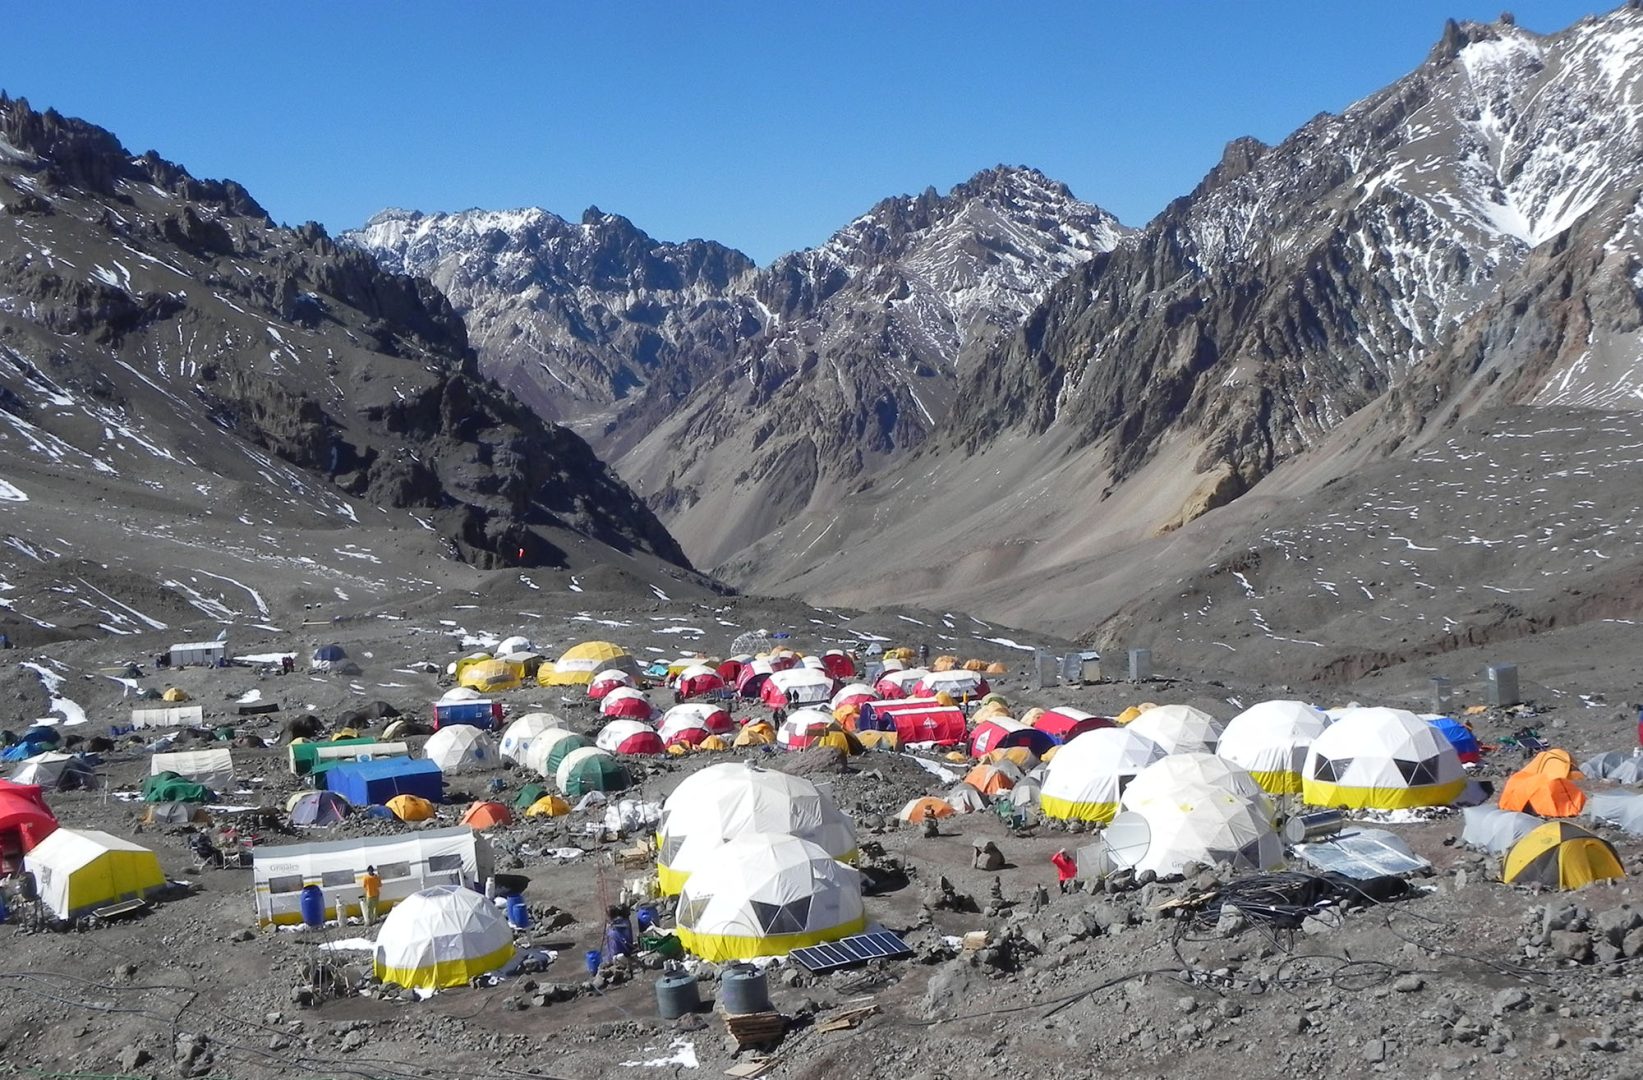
x=175, y=693
x=411, y=808
x=1128, y=715
x=81, y=869
x=579, y=663
x=840, y=740
x=756, y=734
x=879, y=740
x=548, y=806
x=345, y=733
x=713, y=742
x=1561, y=855
x=469, y=661
x=677, y=749
x=491, y=676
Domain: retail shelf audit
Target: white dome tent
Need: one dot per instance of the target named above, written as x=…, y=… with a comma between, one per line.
x=442, y=937
x=540, y=756
x=1203, y=825
x=460, y=747
x=460, y=693
x=766, y=895
x=1384, y=759
x=516, y=644
x=517, y=737
x=1194, y=769
x=1270, y=740
x=1087, y=776
x=1178, y=727
x=744, y=799
x=803, y=727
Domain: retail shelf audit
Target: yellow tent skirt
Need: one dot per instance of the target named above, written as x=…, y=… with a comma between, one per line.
x=443, y=974
x=1278, y=782
x=672, y=882
x=1068, y=810
x=1318, y=793
x=721, y=947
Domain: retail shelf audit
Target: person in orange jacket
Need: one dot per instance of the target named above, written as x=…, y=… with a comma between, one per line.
x=371, y=886
x=1066, y=868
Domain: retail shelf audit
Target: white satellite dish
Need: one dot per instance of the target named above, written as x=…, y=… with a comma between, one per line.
x=1127, y=839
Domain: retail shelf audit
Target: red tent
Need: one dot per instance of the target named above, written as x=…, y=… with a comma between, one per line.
x=750, y=683
x=25, y=819
x=1064, y=723
x=732, y=669
x=626, y=704
x=991, y=735
x=702, y=682
x=838, y=664
x=920, y=720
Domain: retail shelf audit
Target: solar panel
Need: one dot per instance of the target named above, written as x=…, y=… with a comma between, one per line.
x=1363, y=854
x=856, y=949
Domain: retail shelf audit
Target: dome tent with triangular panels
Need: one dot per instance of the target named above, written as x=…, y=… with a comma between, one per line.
x=578, y=664
x=1189, y=771
x=1383, y=759
x=1178, y=728
x=1203, y=825
x=332, y=658
x=460, y=748
x=517, y=736
x=550, y=748
x=442, y=937
x=590, y=769
x=766, y=895
x=1087, y=776
x=1270, y=740
x=743, y=798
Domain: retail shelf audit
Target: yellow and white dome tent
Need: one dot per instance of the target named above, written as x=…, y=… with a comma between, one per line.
x=1270, y=739
x=1178, y=727
x=517, y=737
x=744, y=799
x=766, y=895
x=1383, y=759
x=1200, y=824
x=442, y=937
x=577, y=664
x=1087, y=776
x=460, y=747
x=1195, y=769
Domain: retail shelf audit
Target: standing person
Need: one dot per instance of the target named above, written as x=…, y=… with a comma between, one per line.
x=1065, y=869
x=923, y=655
x=371, y=886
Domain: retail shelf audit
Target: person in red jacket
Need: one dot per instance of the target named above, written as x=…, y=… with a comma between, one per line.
x=1065, y=869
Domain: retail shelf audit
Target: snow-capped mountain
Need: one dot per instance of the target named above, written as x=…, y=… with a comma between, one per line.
x=1300, y=282
x=574, y=318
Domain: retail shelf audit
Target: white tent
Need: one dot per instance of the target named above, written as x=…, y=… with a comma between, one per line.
x=459, y=747
x=615, y=735
x=1203, y=825
x=956, y=682
x=1178, y=727
x=740, y=799
x=1270, y=740
x=1087, y=776
x=406, y=862
x=173, y=716
x=610, y=704
x=440, y=937
x=81, y=869
x=516, y=644
x=1622, y=808
x=1496, y=830
x=213, y=768
x=516, y=738
x=696, y=714
x=855, y=689
x=964, y=798
x=55, y=771
x=1187, y=771
x=459, y=693
x=607, y=680
x=903, y=678
x=802, y=725
x=1382, y=759
x=539, y=755
x=765, y=895
x=804, y=686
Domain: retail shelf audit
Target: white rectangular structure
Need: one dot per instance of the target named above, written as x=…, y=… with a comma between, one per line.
x=179, y=716
x=406, y=864
x=204, y=653
x=213, y=768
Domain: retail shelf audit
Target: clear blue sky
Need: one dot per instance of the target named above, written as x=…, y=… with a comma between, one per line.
x=764, y=125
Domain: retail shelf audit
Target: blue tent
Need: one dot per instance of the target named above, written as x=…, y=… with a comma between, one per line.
x=36, y=740
x=1460, y=737
x=366, y=782
x=331, y=653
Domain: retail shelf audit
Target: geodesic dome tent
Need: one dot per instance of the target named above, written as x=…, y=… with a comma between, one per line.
x=590, y=769
x=442, y=937
x=1270, y=740
x=1382, y=759
x=576, y=666
x=742, y=799
x=460, y=747
x=603, y=682
x=1189, y=771
x=1202, y=825
x=629, y=737
x=766, y=895
x=627, y=703
x=1087, y=776
x=517, y=737
x=1179, y=727
x=550, y=748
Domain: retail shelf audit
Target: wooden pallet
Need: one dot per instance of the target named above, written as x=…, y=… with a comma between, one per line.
x=755, y=1029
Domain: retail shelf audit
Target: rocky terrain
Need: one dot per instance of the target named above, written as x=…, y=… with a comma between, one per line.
x=734, y=398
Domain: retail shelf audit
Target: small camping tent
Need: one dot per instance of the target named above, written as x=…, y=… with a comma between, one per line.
x=629, y=737
x=332, y=658
x=492, y=676
x=316, y=808
x=625, y=702
x=56, y=772
x=590, y=769
x=1495, y=831
x=1561, y=855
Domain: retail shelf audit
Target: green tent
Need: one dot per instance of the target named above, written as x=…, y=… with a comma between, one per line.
x=529, y=795
x=561, y=750
x=169, y=787
x=595, y=772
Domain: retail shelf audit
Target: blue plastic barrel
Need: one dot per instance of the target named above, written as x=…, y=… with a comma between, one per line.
x=592, y=958
x=646, y=914
x=312, y=905
x=518, y=917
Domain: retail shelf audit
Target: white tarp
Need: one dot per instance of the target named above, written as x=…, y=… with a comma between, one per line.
x=1493, y=829
x=177, y=716
x=406, y=864
x=213, y=768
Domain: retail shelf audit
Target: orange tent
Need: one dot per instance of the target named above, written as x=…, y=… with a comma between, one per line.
x=1020, y=756
x=927, y=806
x=944, y=663
x=996, y=668
x=847, y=715
x=1546, y=786
x=487, y=815
x=989, y=779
